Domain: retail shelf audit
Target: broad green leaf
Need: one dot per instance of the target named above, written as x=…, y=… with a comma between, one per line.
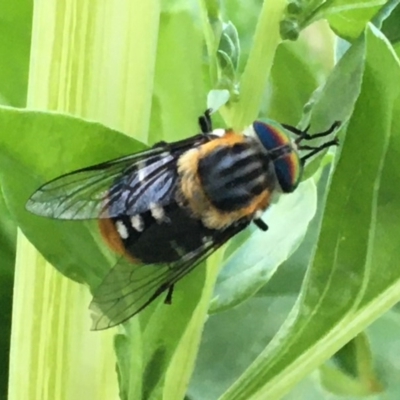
x=354, y=277
x=334, y=101
x=49, y=145
x=349, y=18
x=250, y=266
x=288, y=278
x=293, y=79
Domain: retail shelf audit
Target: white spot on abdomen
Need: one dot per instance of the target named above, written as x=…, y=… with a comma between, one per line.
x=206, y=240
x=121, y=229
x=137, y=223
x=157, y=212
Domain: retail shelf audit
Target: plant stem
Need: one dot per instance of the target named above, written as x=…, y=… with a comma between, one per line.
x=259, y=64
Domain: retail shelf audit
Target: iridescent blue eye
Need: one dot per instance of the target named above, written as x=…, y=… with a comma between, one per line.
x=288, y=167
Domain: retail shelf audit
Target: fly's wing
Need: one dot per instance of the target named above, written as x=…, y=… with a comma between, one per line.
x=128, y=289
x=122, y=186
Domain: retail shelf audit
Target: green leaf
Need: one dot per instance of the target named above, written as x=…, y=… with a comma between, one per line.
x=335, y=100
x=349, y=18
x=354, y=277
x=293, y=79
x=70, y=144
x=251, y=265
x=288, y=278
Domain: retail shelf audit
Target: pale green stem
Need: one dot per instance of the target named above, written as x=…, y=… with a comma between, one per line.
x=183, y=362
x=93, y=59
x=255, y=76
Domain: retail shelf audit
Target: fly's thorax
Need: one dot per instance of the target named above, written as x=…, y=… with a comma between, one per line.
x=280, y=149
x=233, y=176
x=226, y=180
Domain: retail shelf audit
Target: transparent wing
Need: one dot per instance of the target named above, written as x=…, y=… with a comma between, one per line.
x=122, y=186
x=128, y=289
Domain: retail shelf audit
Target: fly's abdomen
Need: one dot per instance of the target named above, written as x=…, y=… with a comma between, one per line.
x=232, y=176
x=160, y=235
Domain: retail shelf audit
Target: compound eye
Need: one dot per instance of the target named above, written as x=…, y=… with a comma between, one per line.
x=270, y=136
x=288, y=167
